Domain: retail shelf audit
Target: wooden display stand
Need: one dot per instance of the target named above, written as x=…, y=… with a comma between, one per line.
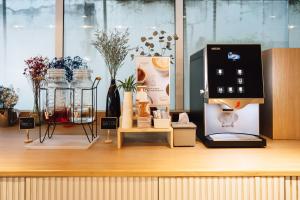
x=136, y=130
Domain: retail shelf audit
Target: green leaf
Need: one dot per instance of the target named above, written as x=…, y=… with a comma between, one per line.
x=150, y=38
x=129, y=84
x=162, y=32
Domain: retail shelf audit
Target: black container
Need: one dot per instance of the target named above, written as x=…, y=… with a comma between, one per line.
x=12, y=117
x=113, y=108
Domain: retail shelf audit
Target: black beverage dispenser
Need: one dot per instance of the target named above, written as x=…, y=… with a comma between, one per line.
x=226, y=88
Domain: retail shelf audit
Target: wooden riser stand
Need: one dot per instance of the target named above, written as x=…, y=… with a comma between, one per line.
x=135, y=130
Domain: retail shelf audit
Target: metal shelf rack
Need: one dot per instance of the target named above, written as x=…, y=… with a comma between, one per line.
x=89, y=127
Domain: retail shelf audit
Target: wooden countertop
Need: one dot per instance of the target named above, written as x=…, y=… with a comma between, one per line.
x=280, y=158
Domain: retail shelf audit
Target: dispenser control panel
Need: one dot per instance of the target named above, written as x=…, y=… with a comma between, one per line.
x=234, y=71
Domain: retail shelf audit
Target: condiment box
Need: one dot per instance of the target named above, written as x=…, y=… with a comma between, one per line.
x=144, y=122
x=162, y=123
x=184, y=134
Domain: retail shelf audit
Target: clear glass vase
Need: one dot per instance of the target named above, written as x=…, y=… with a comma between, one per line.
x=83, y=97
x=58, y=97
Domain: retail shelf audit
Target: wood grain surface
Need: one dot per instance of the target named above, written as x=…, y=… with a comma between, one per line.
x=149, y=155
x=280, y=113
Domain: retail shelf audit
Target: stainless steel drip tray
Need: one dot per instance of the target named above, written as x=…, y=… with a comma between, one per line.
x=234, y=137
x=233, y=140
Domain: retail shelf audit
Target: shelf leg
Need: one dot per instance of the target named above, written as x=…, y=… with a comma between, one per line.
x=119, y=139
x=171, y=139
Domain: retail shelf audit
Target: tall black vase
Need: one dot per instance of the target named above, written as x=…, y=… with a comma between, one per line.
x=113, y=107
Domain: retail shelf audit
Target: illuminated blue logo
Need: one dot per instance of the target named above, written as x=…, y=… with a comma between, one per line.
x=233, y=56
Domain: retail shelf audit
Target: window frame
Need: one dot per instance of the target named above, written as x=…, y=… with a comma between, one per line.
x=179, y=52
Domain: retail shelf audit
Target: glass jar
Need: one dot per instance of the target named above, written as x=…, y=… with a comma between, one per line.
x=142, y=102
x=58, y=96
x=83, y=96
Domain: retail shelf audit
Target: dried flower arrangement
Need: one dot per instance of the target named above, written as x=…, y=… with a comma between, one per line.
x=158, y=44
x=36, y=70
x=8, y=97
x=69, y=64
x=113, y=46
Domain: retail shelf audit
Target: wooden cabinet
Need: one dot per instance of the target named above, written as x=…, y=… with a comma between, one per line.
x=280, y=114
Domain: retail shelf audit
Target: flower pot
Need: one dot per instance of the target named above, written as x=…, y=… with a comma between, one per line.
x=3, y=118
x=113, y=108
x=127, y=110
x=8, y=117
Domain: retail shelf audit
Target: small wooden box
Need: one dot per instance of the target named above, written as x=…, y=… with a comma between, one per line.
x=184, y=134
x=280, y=114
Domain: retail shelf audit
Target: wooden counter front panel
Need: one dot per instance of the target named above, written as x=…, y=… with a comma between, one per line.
x=150, y=188
x=229, y=188
x=280, y=114
x=12, y=188
x=92, y=188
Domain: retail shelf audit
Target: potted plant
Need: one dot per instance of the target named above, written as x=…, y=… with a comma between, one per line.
x=113, y=46
x=35, y=71
x=129, y=87
x=8, y=99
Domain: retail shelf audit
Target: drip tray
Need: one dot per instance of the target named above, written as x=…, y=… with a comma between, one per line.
x=231, y=140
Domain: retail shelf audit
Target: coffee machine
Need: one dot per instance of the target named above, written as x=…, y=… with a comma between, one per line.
x=226, y=88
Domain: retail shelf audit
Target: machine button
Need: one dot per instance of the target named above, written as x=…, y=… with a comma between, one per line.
x=220, y=90
x=220, y=72
x=240, y=81
x=239, y=72
x=230, y=90
x=241, y=90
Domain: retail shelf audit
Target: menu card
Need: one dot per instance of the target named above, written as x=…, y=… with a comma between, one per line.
x=154, y=73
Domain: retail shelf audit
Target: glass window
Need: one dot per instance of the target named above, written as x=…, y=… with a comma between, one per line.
x=82, y=18
x=268, y=22
x=26, y=29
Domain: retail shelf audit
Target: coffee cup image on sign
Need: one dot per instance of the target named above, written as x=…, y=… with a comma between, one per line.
x=161, y=64
x=168, y=90
x=141, y=75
